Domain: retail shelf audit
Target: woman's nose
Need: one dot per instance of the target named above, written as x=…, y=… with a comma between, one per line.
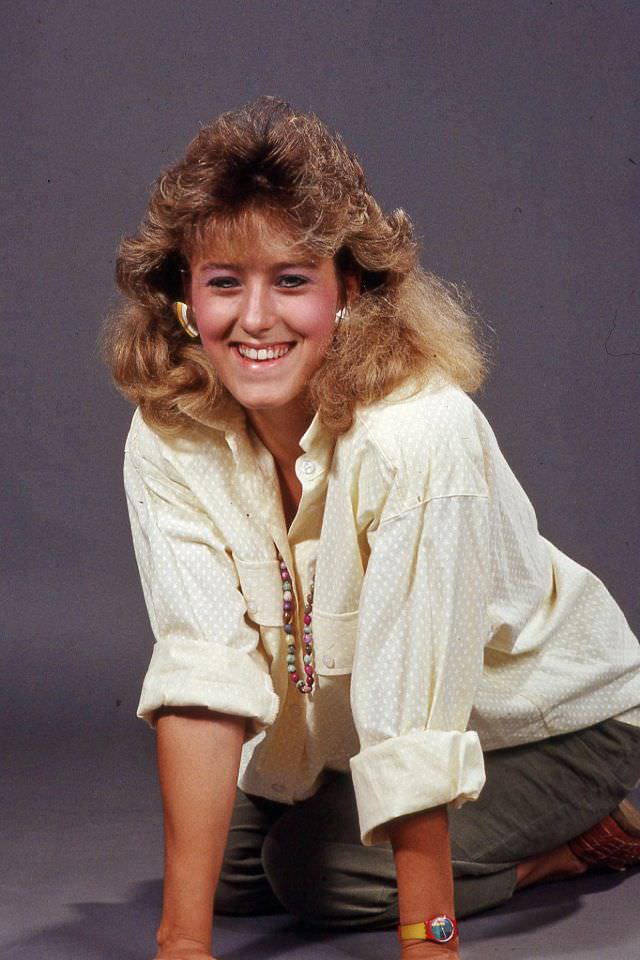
x=257, y=309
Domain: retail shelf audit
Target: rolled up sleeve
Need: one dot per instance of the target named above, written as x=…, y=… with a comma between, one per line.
x=206, y=653
x=422, y=629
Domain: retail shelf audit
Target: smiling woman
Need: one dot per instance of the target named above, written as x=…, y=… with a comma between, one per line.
x=266, y=322
x=380, y=695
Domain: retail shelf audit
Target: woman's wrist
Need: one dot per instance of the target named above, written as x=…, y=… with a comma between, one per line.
x=177, y=947
x=426, y=949
x=168, y=939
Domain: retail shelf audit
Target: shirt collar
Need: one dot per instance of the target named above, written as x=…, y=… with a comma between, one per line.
x=313, y=435
x=317, y=443
x=229, y=418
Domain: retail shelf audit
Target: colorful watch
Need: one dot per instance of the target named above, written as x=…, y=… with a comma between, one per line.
x=440, y=929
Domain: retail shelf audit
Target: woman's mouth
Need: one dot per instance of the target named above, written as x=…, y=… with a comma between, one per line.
x=267, y=354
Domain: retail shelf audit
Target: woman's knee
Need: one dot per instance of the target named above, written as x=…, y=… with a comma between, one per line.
x=328, y=883
x=243, y=888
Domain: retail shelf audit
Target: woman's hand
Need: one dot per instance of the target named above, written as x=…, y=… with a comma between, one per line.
x=184, y=955
x=425, y=950
x=183, y=950
x=189, y=955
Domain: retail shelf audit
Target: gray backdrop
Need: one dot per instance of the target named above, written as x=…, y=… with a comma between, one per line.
x=507, y=129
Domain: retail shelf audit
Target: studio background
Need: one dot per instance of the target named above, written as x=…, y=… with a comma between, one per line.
x=509, y=132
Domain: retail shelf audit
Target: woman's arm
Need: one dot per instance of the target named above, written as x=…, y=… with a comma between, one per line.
x=198, y=761
x=422, y=856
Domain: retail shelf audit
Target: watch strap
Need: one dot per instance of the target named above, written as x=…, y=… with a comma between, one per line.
x=440, y=929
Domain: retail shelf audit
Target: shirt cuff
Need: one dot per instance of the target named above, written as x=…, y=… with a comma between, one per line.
x=414, y=772
x=188, y=673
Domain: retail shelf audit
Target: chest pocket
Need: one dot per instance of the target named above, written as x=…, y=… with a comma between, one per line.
x=335, y=642
x=261, y=587
x=334, y=633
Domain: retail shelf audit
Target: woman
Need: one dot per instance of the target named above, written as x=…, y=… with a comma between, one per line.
x=357, y=621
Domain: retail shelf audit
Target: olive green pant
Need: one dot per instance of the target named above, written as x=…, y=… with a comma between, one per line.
x=308, y=859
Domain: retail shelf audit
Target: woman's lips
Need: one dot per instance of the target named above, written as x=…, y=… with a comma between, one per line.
x=266, y=363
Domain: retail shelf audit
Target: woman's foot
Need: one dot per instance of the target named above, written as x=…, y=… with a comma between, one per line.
x=612, y=843
x=557, y=864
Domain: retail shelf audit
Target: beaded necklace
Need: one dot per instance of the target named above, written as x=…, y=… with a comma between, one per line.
x=304, y=684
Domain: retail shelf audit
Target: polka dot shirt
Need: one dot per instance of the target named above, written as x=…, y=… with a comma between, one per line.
x=444, y=623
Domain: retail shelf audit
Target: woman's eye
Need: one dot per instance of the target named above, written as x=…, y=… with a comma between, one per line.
x=222, y=283
x=292, y=280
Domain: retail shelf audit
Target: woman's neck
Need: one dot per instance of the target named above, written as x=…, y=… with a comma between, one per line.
x=280, y=431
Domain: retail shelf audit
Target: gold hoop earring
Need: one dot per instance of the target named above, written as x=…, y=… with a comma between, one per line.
x=182, y=313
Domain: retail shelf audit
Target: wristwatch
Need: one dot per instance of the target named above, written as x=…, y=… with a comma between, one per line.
x=439, y=929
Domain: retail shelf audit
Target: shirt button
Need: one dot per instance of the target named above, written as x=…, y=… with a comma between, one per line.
x=329, y=662
x=308, y=467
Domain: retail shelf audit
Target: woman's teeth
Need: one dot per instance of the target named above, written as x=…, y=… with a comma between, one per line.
x=264, y=353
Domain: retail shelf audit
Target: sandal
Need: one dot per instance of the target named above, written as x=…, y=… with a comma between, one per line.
x=614, y=842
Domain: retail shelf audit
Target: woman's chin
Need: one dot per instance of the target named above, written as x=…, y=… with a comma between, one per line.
x=265, y=403
x=267, y=397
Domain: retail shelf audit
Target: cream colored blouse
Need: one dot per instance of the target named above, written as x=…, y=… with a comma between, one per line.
x=444, y=623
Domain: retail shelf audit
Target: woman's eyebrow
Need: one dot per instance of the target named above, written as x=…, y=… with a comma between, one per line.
x=305, y=264
x=218, y=266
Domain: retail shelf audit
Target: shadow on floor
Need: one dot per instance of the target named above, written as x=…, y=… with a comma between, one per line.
x=537, y=910
x=125, y=930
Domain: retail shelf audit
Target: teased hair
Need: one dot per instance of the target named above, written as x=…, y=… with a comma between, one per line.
x=267, y=165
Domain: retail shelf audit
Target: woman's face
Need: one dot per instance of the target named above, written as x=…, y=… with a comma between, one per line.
x=265, y=318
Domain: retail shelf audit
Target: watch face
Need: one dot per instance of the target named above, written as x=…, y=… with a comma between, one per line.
x=442, y=929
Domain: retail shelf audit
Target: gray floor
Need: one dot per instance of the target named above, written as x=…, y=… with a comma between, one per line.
x=81, y=869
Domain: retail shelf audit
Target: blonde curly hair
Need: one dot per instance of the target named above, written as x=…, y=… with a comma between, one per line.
x=266, y=165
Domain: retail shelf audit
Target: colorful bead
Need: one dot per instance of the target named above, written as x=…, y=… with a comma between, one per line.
x=304, y=685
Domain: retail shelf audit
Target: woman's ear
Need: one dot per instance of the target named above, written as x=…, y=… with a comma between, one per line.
x=352, y=286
